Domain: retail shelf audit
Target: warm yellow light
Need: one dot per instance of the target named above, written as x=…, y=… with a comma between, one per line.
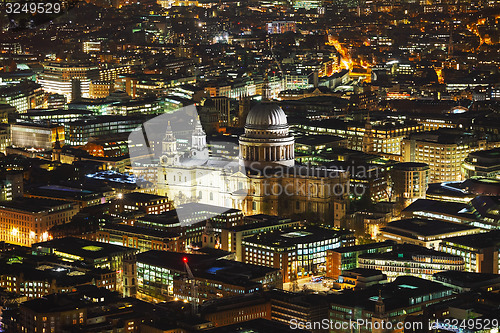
x=45, y=236
x=32, y=234
x=14, y=231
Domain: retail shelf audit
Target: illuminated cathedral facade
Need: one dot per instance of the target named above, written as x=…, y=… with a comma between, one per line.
x=263, y=179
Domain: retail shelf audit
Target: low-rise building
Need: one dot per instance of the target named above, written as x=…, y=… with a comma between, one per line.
x=469, y=281
x=480, y=251
x=361, y=278
x=144, y=202
x=484, y=163
x=162, y=275
x=406, y=259
x=37, y=278
x=25, y=221
x=237, y=309
x=346, y=258
x=296, y=251
x=141, y=238
x=391, y=302
x=423, y=232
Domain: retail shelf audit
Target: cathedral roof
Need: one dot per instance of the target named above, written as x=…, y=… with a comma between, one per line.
x=266, y=116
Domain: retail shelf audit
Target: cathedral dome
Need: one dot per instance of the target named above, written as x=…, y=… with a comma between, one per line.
x=266, y=116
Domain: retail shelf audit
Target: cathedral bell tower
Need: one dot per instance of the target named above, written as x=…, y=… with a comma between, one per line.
x=169, y=148
x=199, y=149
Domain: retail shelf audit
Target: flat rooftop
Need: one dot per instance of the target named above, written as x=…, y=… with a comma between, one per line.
x=34, y=205
x=416, y=227
x=364, y=247
x=396, y=295
x=405, y=252
x=290, y=237
x=140, y=231
x=82, y=247
x=477, y=241
x=316, y=140
x=142, y=197
x=444, y=207
x=466, y=279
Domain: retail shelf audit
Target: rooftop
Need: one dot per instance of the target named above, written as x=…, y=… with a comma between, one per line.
x=406, y=252
x=444, y=207
x=34, y=205
x=364, y=247
x=401, y=293
x=138, y=230
x=81, y=247
x=290, y=237
x=142, y=197
x=422, y=227
x=467, y=279
x=477, y=241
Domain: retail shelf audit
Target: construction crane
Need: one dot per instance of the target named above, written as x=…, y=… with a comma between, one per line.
x=194, y=287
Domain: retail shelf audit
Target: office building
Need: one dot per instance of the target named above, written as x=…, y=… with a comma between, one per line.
x=71, y=80
x=162, y=275
x=57, y=116
x=79, y=132
x=346, y=258
x=480, y=251
x=414, y=260
x=22, y=96
x=84, y=198
x=464, y=282
x=237, y=309
x=25, y=221
x=296, y=251
x=484, y=163
x=36, y=277
x=361, y=278
x=231, y=238
x=423, y=232
x=37, y=136
x=368, y=137
x=410, y=181
x=443, y=150
x=141, y=238
x=391, y=302
x=143, y=202
x=287, y=307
